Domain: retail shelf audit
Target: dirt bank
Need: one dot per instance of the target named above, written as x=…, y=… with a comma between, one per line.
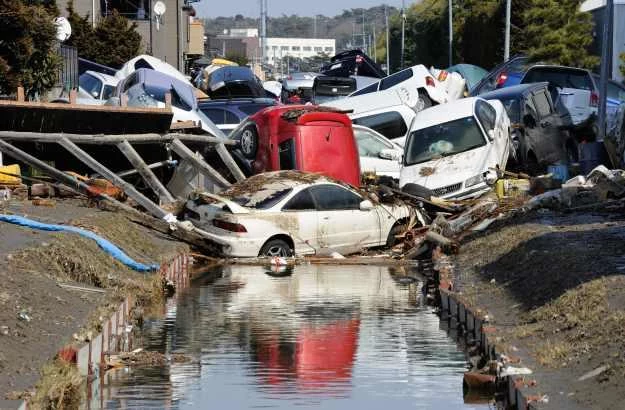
x=37, y=315
x=553, y=287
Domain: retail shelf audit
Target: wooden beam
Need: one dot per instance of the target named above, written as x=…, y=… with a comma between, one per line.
x=130, y=190
x=179, y=148
x=73, y=94
x=100, y=139
x=20, y=94
x=191, y=237
x=225, y=156
x=145, y=172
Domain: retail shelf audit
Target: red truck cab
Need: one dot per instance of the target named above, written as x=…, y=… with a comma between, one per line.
x=302, y=137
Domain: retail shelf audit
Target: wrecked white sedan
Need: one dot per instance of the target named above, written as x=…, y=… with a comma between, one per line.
x=452, y=149
x=287, y=213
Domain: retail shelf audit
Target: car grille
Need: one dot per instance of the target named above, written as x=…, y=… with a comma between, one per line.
x=447, y=189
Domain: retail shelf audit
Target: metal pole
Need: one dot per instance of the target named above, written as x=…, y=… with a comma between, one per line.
x=375, y=48
x=364, y=39
x=506, y=50
x=388, y=51
x=451, y=34
x=403, y=37
x=93, y=13
x=315, y=26
x=606, y=60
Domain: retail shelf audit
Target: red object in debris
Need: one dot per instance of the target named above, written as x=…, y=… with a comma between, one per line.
x=478, y=380
x=303, y=137
x=68, y=354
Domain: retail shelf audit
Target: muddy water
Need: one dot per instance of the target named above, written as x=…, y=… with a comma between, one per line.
x=320, y=337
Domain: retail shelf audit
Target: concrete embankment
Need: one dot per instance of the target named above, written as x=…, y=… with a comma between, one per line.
x=545, y=293
x=63, y=296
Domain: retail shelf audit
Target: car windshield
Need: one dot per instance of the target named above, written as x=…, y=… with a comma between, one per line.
x=90, y=84
x=560, y=77
x=445, y=139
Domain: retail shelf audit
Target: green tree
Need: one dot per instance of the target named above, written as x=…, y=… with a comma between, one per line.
x=558, y=32
x=28, y=53
x=83, y=36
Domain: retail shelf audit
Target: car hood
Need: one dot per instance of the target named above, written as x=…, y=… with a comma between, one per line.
x=447, y=170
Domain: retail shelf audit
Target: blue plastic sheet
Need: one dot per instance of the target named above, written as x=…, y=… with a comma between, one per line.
x=106, y=245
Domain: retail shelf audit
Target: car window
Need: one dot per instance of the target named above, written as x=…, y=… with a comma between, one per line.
x=513, y=109
x=108, y=92
x=216, y=115
x=395, y=79
x=334, y=198
x=287, y=154
x=442, y=140
x=559, y=77
x=90, y=84
x=302, y=201
x=368, y=89
x=390, y=124
x=616, y=92
x=486, y=114
x=368, y=144
x=541, y=102
x=130, y=81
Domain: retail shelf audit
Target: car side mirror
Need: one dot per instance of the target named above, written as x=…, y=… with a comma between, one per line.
x=366, y=205
x=95, y=94
x=491, y=135
x=529, y=121
x=389, y=153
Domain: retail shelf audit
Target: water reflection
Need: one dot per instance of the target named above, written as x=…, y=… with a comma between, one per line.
x=316, y=337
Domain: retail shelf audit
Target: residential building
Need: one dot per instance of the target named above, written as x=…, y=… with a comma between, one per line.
x=597, y=8
x=171, y=37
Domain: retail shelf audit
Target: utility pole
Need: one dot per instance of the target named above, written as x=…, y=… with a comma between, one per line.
x=451, y=34
x=263, y=30
x=403, y=36
x=375, y=48
x=388, y=51
x=364, y=39
x=506, y=49
x=606, y=63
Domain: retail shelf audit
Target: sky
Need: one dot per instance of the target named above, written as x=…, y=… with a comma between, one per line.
x=251, y=8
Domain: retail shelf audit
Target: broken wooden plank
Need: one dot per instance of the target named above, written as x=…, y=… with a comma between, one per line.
x=183, y=125
x=130, y=190
x=99, y=139
x=179, y=148
x=145, y=172
x=106, y=202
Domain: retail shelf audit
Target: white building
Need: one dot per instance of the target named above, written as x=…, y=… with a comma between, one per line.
x=277, y=48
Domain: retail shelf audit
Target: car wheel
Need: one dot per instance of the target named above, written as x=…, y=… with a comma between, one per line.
x=276, y=247
x=418, y=190
x=423, y=102
x=249, y=142
x=391, y=240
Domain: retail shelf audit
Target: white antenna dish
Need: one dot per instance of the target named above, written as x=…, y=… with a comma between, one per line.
x=159, y=9
x=63, y=29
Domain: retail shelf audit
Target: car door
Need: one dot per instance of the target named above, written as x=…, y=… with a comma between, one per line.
x=370, y=147
x=301, y=221
x=342, y=226
x=493, y=121
x=548, y=144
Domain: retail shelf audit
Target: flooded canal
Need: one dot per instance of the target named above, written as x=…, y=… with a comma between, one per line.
x=331, y=337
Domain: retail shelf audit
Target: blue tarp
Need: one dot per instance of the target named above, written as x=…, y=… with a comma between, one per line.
x=107, y=246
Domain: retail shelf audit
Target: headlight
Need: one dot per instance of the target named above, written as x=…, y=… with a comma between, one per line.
x=474, y=181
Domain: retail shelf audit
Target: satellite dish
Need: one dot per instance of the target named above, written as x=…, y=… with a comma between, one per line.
x=159, y=8
x=63, y=29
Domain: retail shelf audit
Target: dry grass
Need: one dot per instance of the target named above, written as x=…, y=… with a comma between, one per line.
x=60, y=387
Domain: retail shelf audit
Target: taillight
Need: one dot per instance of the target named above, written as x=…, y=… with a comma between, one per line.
x=359, y=59
x=430, y=81
x=229, y=226
x=501, y=79
x=594, y=99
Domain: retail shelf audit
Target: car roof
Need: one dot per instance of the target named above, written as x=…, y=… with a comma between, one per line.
x=438, y=114
x=557, y=67
x=276, y=180
x=512, y=92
